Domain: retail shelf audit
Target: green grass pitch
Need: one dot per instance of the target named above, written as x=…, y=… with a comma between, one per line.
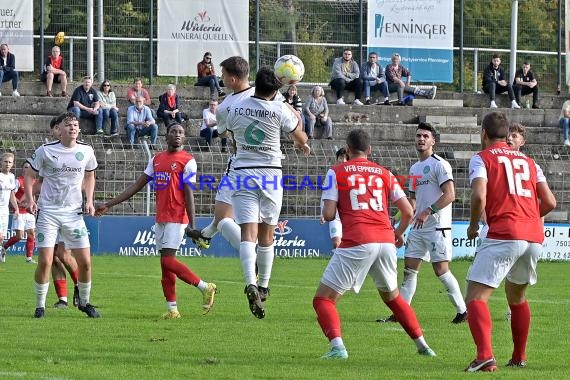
x=130, y=341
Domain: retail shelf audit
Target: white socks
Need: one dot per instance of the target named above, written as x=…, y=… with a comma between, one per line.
x=247, y=257
x=453, y=292
x=409, y=284
x=231, y=231
x=41, y=291
x=265, y=256
x=210, y=230
x=84, y=292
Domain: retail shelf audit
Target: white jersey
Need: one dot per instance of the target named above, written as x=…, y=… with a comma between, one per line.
x=8, y=184
x=431, y=174
x=62, y=170
x=224, y=108
x=256, y=125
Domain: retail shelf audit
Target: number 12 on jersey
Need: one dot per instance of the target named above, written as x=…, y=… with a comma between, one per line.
x=360, y=186
x=515, y=180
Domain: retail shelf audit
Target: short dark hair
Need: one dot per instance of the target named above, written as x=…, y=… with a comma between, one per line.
x=169, y=126
x=428, y=127
x=496, y=55
x=519, y=128
x=358, y=139
x=496, y=125
x=341, y=152
x=236, y=66
x=266, y=83
x=60, y=118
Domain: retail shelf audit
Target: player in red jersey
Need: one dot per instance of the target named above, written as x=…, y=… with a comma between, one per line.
x=505, y=184
x=169, y=173
x=25, y=222
x=360, y=190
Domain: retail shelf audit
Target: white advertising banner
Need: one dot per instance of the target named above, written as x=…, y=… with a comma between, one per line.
x=17, y=30
x=188, y=29
x=421, y=31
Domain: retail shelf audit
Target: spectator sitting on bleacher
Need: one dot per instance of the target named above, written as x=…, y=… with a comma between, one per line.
x=495, y=82
x=207, y=76
x=169, y=107
x=346, y=75
x=52, y=71
x=373, y=77
x=84, y=103
x=292, y=98
x=8, y=69
x=525, y=83
x=108, y=102
x=140, y=123
x=209, y=127
x=565, y=121
x=316, y=112
x=394, y=74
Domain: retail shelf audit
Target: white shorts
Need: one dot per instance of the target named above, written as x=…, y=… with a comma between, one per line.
x=335, y=228
x=224, y=195
x=24, y=222
x=429, y=245
x=71, y=226
x=169, y=235
x=348, y=267
x=496, y=259
x=256, y=205
x=4, y=224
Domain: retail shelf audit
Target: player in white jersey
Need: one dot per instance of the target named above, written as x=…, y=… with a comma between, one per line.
x=431, y=193
x=8, y=188
x=66, y=166
x=255, y=124
x=235, y=72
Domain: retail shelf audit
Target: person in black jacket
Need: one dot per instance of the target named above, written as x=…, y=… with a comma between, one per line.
x=8, y=68
x=495, y=82
x=525, y=83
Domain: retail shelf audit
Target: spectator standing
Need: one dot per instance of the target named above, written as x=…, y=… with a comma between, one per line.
x=564, y=121
x=207, y=76
x=84, y=103
x=346, y=75
x=394, y=74
x=495, y=82
x=52, y=71
x=209, y=127
x=373, y=78
x=8, y=69
x=316, y=112
x=140, y=123
x=525, y=83
x=108, y=102
x=8, y=188
x=169, y=107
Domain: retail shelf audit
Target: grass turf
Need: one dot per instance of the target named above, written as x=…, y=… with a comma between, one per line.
x=130, y=341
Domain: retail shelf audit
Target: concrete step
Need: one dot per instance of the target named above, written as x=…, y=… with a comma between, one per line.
x=437, y=102
x=443, y=121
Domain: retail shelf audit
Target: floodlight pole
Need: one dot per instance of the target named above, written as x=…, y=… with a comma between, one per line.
x=514, y=31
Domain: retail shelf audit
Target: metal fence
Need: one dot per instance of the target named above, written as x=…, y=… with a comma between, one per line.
x=315, y=30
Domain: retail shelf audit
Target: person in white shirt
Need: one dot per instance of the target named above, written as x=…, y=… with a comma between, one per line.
x=8, y=188
x=209, y=127
x=67, y=166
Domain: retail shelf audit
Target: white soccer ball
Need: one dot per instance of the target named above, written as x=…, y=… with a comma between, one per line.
x=289, y=69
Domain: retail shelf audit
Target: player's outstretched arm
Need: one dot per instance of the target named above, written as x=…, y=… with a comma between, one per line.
x=126, y=194
x=301, y=139
x=406, y=213
x=546, y=198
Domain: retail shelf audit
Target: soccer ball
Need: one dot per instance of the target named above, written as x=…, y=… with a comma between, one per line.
x=59, y=38
x=289, y=69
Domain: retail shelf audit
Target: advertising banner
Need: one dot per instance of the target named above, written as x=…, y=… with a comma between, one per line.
x=17, y=30
x=421, y=31
x=188, y=29
x=294, y=239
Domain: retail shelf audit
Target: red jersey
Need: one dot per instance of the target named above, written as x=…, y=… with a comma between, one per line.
x=512, y=207
x=362, y=190
x=169, y=172
x=20, y=194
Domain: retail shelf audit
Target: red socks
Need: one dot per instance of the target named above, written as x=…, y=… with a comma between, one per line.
x=60, y=288
x=406, y=316
x=168, y=285
x=481, y=326
x=30, y=245
x=13, y=240
x=171, y=264
x=520, y=325
x=327, y=316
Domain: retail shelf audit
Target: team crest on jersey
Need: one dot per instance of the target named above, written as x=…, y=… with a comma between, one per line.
x=79, y=156
x=426, y=169
x=173, y=166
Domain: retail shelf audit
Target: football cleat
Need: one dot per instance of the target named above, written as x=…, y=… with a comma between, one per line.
x=60, y=304
x=208, y=297
x=173, y=314
x=489, y=365
x=75, y=296
x=391, y=318
x=201, y=241
x=31, y=261
x=263, y=293
x=519, y=364
x=255, y=304
x=459, y=318
x=2, y=254
x=89, y=310
x=336, y=353
x=427, y=352
x=39, y=312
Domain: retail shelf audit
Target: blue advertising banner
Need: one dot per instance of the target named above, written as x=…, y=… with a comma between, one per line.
x=421, y=31
x=294, y=238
